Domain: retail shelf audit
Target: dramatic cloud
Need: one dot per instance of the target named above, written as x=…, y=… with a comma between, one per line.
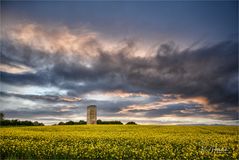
x=199, y=82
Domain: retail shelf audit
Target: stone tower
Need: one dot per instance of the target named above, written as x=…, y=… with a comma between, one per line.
x=91, y=114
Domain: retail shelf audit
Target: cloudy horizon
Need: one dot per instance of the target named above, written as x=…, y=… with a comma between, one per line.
x=148, y=62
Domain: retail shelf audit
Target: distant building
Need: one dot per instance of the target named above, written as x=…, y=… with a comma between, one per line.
x=91, y=114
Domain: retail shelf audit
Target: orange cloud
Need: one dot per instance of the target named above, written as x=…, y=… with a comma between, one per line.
x=71, y=99
x=111, y=95
x=15, y=69
x=81, y=41
x=54, y=40
x=123, y=94
x=161, y=104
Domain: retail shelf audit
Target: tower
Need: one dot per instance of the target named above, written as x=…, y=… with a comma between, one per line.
x=91, y=114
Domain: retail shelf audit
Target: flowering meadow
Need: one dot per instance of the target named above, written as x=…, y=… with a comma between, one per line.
x=119, y=142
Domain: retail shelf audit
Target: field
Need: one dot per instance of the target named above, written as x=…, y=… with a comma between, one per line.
x=119, y=142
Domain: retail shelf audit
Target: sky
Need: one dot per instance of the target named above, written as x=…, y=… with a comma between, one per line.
x=155, y=62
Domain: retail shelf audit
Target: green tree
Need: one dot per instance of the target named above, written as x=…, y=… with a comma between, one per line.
x=82, y=122
x=99, y=121
x=70, y=123
x=131, y=123
x=1, y=116
x=61, y=123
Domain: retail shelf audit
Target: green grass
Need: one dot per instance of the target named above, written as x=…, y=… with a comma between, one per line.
x=119, y=142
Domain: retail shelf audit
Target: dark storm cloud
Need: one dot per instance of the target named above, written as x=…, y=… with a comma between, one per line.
x=210, y=71
x=24, y=78
x=14, y=53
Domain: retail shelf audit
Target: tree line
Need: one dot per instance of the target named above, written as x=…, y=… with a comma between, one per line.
x=16, y=122
x=72, y=123
x=82, y=122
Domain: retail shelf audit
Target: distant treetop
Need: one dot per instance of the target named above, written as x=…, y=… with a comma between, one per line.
x=131, y=123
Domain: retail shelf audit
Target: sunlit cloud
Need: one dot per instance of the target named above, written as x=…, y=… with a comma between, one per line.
x=15, y=69
x=52, y=40
x=122, y=94
x=166, y=101
x=115, y=95
x=81, y=41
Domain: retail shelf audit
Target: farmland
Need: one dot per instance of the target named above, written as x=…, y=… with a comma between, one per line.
x=119, y=142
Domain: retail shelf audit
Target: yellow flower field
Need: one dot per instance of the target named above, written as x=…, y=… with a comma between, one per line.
x=119, y=142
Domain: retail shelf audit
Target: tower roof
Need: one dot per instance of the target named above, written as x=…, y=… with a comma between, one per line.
x=91, y=106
